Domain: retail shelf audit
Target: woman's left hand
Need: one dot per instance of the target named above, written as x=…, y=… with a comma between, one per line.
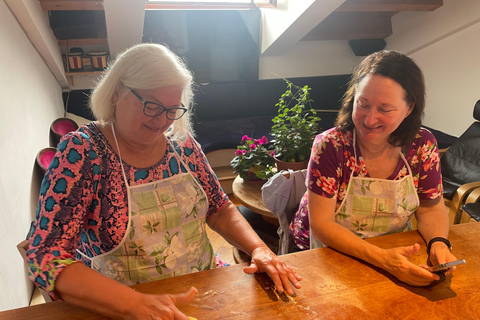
x=439, y=253
x=264, y=260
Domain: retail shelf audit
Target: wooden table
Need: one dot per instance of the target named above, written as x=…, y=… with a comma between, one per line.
x=249, y=194
x=334, y=286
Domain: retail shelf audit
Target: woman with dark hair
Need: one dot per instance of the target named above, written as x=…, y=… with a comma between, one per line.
x=368, y=175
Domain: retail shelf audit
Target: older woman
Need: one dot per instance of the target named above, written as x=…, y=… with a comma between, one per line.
x=376, y=168
x=126, y=198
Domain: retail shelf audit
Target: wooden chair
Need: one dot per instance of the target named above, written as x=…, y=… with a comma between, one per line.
x=461, y=167
x=471, y=208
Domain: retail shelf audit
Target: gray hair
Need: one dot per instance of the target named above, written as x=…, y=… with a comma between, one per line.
x=143, y=66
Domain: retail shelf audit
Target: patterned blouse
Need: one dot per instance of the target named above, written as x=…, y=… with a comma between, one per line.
x=83, y=199
x=332, y=161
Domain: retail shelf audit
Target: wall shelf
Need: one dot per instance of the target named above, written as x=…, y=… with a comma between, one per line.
x=83, y=42
x=70, y=75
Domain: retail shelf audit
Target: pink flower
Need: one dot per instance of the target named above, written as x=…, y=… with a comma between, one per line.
x=253, y=146
x=243, y=151
x=238, y=152
x=245, y=138
x=272, y=153
x=263, y=140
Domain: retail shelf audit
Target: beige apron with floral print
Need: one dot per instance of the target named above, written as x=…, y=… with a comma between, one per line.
x=166, y=234
x=374, y=207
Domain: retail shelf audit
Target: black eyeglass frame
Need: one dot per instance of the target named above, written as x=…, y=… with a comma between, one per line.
x=159, y=107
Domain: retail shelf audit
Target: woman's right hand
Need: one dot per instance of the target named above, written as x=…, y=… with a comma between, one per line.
x=396, y=262
x=160, y=306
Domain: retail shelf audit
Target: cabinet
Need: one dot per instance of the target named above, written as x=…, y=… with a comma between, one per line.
x=72, y=23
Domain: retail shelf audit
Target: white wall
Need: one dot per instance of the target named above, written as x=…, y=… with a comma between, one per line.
x=445, y=43
x=30, y=99
x=308, y=59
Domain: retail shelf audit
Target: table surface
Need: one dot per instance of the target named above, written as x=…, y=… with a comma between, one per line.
x=249, y=194
x=334, y=286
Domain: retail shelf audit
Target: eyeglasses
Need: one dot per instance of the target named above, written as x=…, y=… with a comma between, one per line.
x=153, y=109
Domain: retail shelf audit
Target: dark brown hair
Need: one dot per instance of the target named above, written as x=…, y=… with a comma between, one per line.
x=406, y=73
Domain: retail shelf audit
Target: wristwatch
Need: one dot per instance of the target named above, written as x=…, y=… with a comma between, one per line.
x=438, y=239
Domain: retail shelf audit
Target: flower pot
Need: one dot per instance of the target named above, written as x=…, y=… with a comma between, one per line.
x=252, y=177
x=283, y=165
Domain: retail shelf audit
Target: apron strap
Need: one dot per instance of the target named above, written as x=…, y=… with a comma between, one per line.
x=119, y=155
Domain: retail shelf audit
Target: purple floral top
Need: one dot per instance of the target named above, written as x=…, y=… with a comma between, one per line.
x=332, y=161
x=83, y=199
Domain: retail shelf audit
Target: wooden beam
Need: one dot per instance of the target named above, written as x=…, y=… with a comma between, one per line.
x=390, y=5
x=83, y=42
x=352, y=25
x=71, y=4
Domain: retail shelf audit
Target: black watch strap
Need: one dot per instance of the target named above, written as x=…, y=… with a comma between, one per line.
x=438, y=239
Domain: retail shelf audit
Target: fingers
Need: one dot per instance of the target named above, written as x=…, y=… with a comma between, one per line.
x=410, y=250
x=185, y=297
x=280, y=273
x=251, y=269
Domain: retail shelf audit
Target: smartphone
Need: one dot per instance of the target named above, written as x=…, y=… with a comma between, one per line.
x=445, y=266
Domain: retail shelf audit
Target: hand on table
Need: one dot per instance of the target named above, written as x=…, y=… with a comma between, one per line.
x=396, y=262
x=160, y=306
x=264, y=260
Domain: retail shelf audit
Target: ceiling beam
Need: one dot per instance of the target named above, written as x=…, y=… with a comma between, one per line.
x=390, y=5
x=71, y=4
x=351, y=26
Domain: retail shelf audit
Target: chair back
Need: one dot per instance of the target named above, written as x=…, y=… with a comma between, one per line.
x=44, y=157
x=61, y=127
x=282, y=194
x=461, y=162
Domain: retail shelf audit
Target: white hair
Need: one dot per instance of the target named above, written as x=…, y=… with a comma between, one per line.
x=143, y=66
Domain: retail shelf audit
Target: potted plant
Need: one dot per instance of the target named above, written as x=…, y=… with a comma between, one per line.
x=294, y=127
x=253, y=161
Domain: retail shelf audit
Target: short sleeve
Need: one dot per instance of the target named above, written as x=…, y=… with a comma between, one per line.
x=325, y=169
x=424, y=160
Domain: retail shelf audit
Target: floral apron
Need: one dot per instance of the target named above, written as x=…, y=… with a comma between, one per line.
x=166, y=234
x=374, y=207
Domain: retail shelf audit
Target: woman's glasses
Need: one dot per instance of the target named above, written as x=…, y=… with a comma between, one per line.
x=153, y=109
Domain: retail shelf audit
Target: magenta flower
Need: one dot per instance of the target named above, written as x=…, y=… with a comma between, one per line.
x=245, y=138
x=243, y=152
x=238, y=152
x=253, y=146
x=263, y=140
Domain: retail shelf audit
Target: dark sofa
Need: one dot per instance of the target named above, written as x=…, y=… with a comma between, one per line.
x=226, y=111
